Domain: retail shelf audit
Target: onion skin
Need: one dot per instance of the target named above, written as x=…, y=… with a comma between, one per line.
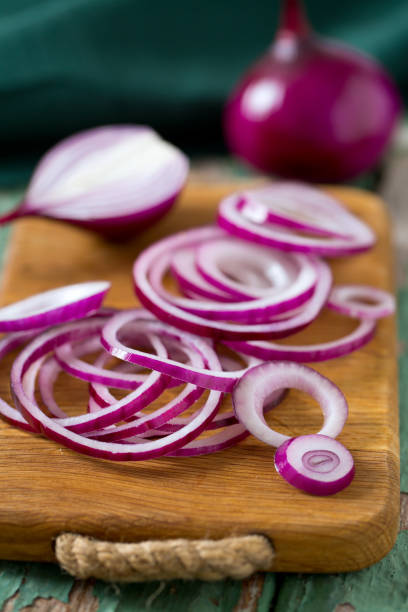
x=310, y=108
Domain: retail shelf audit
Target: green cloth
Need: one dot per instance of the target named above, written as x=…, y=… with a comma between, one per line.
x=69, y=64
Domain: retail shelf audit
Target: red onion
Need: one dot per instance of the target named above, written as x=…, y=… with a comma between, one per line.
x=149, y=296
x=256, y=385
x=249, y=271
x=300, y=207
x=361, y=301
x=116, y=180
x=268, y=351
x=183, y=268
x=316, y=464
x=310, y=108
x=293, y=292
x=233, y=218
x=210, y=377
x=53, y=307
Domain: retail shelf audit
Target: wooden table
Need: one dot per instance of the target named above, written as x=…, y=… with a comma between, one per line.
x=44, y=587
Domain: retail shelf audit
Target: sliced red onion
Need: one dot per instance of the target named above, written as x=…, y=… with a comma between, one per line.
x=115, y=179
x=258, y=383
x=316, y=464
x=232, y=220
x=268, y=351
x=104, y=450
x=211, y=378
x=138, y=399
x=298, y=206
x=47, y=375
x=184, y=270
x=248, y=270
x=68, y=357
x=214, y=443
x=53, y=307
x=184, y=400
x=178, y=317
x=361, y=301
x=257, y=310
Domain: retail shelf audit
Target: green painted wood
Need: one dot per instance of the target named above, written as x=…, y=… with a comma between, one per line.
x=32, y=580
x=11, y=577
x=173, y=596
x=268, y=593
x=43, y=580
x=380, y=588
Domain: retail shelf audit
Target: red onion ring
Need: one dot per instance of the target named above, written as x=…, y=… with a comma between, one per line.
x=253, y=311
x=140, y=397
x=260, y=272
x=316, y=464
x=203, y=327
x=211, y=378
x=184, y=270
x=231, y=219
x=268, y=351
x=68, y=357
x=298, y=206
x=104, y=450
x=184, y=400
x=253, y=388
x=351, y=300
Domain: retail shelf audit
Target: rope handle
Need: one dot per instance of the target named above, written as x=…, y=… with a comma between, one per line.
x=235, y=557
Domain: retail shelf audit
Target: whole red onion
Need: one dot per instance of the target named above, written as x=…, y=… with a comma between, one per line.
x=310, y=108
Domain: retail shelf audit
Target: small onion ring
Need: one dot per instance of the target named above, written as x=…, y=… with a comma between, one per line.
x=253, y=388
x=346, y=300
x=316, y=464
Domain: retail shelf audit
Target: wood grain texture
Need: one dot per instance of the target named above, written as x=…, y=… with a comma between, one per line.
x=51, y=490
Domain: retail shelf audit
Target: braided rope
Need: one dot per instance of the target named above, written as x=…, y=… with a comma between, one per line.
x=235, y=557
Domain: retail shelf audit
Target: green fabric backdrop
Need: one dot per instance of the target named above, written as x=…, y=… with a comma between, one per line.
x=69, y=64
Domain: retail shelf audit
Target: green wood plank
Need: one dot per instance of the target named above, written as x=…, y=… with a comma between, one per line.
x=380, y=588
x=176, y=596
x=11, y=577
x=43, y=580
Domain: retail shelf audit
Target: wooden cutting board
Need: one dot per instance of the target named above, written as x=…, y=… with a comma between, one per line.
x=47, y=490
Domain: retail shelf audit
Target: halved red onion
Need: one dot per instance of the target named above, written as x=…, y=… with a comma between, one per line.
x=53, y=307
x=269, y=350
x=115, y=179
x=298, y=206
x=178, y=317
x=316, y=464
x=211, y=378
x=254, y=387
x=232, y=220
x=361, y=301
